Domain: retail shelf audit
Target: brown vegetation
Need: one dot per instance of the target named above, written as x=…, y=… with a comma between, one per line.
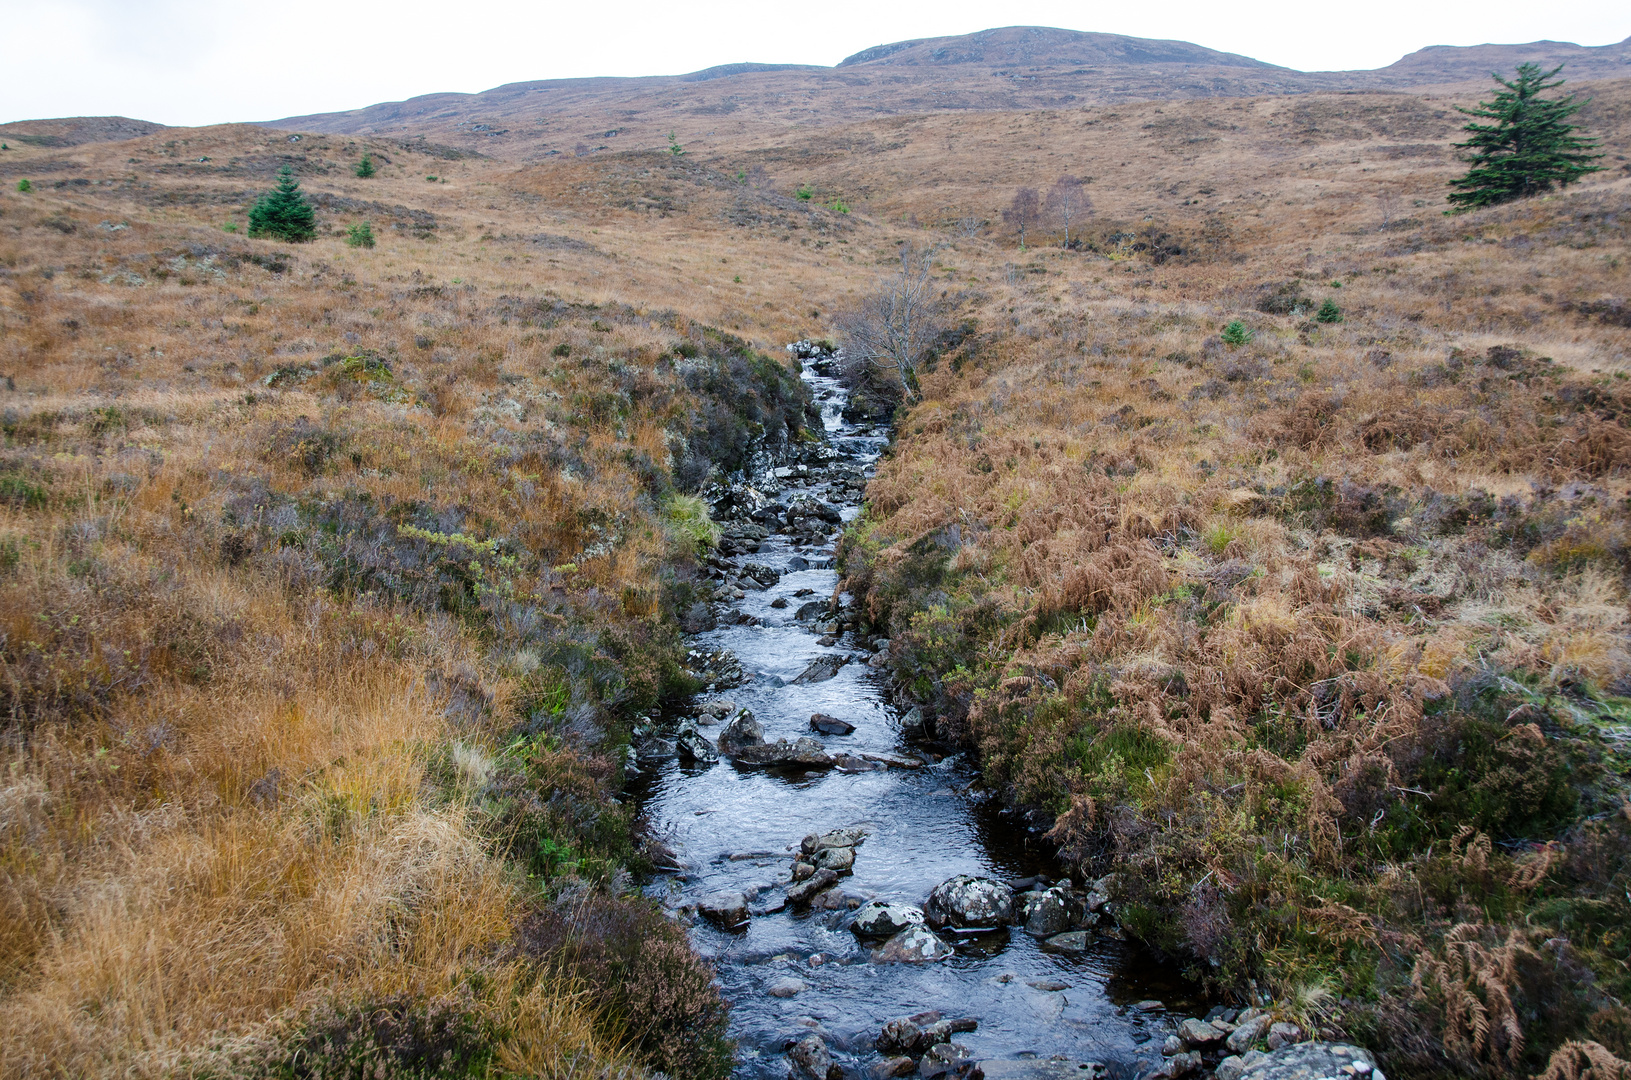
x=330, y=577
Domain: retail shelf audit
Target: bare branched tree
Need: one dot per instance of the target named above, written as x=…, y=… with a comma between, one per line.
x=1068, y=202
x=894, y=326
x=967, y=226
x=1024, y=212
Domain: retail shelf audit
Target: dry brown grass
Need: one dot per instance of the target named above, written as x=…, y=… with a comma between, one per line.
x=236, y=786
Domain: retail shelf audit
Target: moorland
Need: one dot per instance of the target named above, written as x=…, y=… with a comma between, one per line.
x=333, y=577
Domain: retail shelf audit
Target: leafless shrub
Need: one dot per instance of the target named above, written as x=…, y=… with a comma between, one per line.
x=894, y=326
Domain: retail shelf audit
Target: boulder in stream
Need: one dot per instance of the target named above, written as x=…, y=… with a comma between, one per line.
x=741, y=733
x=726, y=910
x=813, y=1061
x=967, y=902
x=802, y=751
x=812, y=609
x=805, y=891
x=693, y=746
x=698, y=618
x=854, y=836
x=821, y=668
x=878, y=918
x=830, y=725
x=1045, y=913
x=918, y=945
x=838, y=859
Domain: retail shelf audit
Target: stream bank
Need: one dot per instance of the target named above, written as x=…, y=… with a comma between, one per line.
x=747, y=806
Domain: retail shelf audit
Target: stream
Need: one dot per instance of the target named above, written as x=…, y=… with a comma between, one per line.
x=791, y=971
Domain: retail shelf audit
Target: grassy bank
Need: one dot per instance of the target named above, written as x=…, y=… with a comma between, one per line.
x=1312, y=633
x=328, y=594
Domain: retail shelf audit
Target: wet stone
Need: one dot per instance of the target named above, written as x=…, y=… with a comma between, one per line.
x=728, y=911
x=1195, y=1032
x=967, y=902
x=830, y=725
x=813, y=1061
x=1070, y=941
x=915, y=946
x=804, y=891
x=787, y=987
x=1310, y=1060
x=1054, y=1068
x=879, y=919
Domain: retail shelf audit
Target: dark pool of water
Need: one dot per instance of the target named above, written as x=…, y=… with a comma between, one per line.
x=734, y=829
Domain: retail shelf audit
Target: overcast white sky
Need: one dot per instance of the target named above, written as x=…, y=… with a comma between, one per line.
x=208, y=61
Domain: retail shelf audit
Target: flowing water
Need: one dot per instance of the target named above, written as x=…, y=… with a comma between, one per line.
x=735, y=828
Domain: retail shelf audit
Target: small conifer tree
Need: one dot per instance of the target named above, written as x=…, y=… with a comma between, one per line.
x=1529, y=147
x=1237, y=334
x=1328, y=312
x=360, y=235
x=24, y=185
x=365, y=167
x=283, y=213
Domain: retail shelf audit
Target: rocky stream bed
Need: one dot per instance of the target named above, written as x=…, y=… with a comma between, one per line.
x=870, y=911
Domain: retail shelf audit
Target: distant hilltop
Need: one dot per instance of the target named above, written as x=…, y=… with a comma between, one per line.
x=1008, y=68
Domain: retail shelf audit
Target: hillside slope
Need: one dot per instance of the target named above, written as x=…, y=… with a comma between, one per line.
x=1010, y=68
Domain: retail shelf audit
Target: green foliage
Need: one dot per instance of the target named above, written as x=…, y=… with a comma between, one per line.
x=230, y=227
x=430, y=179
x=16, y=491
x=1328, y=312
x=563, y=350
x=24, y=185
x=360, y=235
x=1236, y=334
x=838, y=205
x=283, y=213
x=804, y=193
x=674, y=145
x=688, y=520
x=1529, y=147
x=365, y=167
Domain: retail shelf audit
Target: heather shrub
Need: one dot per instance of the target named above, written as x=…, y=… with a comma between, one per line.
x=398, y=1037
x=648, y=987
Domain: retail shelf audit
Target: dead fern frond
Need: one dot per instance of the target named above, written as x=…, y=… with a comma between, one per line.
x=1533, y=870
x=1584, y=1061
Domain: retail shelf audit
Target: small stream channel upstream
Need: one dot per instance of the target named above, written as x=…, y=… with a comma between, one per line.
x=790, y=970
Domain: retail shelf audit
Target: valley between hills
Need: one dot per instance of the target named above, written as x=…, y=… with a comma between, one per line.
x=1245, y=570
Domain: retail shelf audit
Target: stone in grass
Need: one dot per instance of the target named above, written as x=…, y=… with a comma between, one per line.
x=1283, y=1033
x=917, y=945
x=1252, y=1025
